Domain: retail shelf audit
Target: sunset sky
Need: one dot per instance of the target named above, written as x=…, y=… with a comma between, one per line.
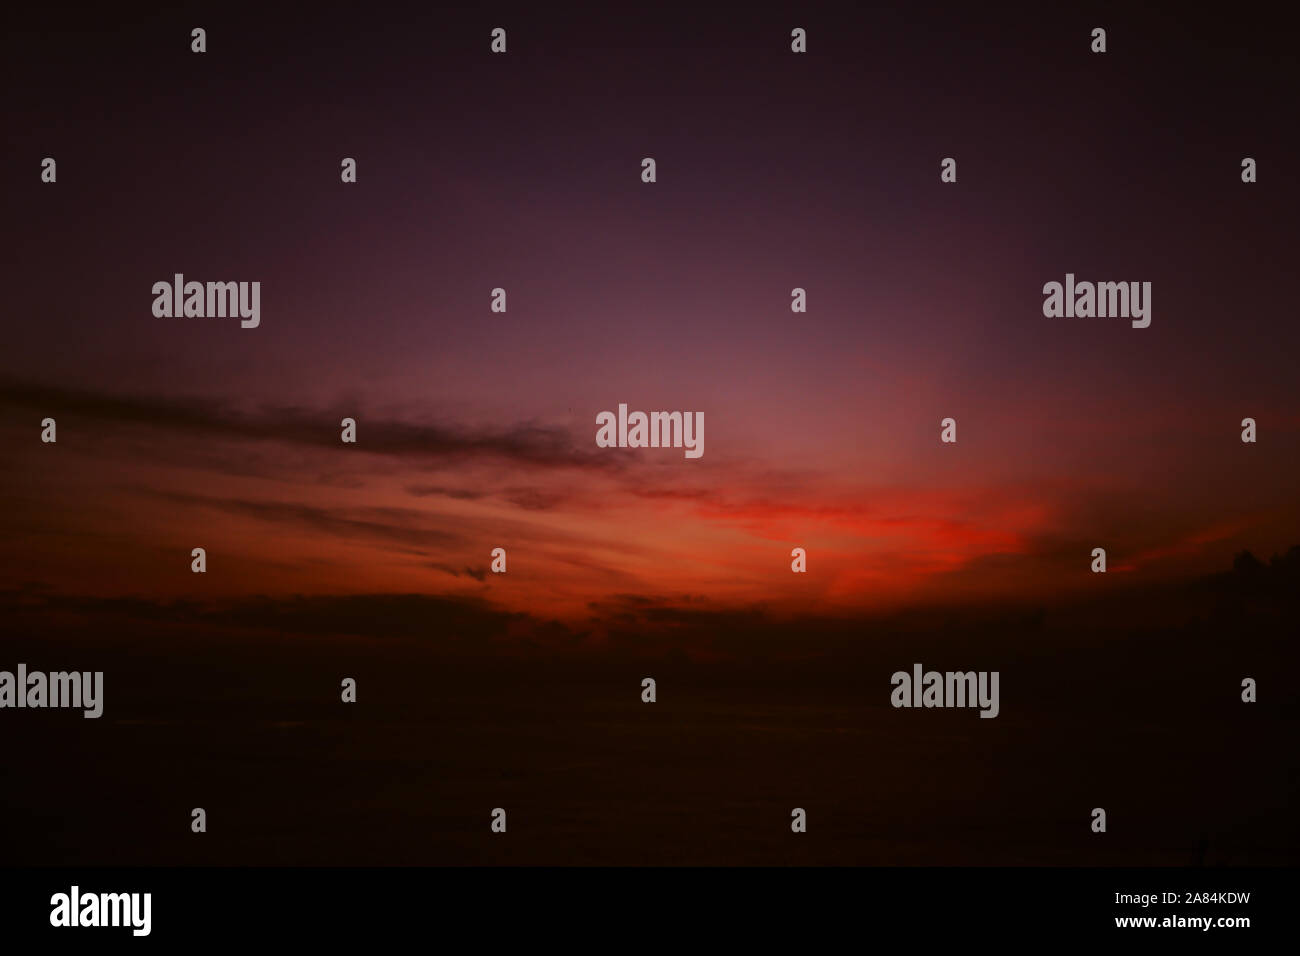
x=477, y=430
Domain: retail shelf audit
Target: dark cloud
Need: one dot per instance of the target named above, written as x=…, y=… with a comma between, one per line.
x=529, y=499
x=524, y=443
x=399, y=525
x=478, y=574
x=460, y=494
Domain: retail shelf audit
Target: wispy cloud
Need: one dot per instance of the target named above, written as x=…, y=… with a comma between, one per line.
x=523, y=443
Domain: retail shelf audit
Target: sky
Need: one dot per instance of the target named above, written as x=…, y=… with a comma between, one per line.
x=476, y=430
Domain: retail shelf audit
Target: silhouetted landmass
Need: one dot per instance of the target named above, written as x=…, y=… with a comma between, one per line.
x=1130, y=702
